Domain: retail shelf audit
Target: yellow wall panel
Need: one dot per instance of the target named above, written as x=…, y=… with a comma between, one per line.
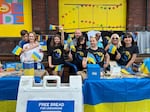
x=92, y=14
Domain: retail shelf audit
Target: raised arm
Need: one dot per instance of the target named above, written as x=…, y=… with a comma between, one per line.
x=62, y=34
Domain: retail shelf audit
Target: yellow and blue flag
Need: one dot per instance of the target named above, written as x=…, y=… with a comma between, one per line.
x=72, y=47
x=40, y=38
x=46, y=37
x=52, y=27
x=112, y=49
x=43, y=45
x=69, y=39
x=36, y=56
x=124, y=71
x=117, y=95
x=28, y=68
x=145, y=67
x=91, y=58
x=58, y=68
x=17, y=50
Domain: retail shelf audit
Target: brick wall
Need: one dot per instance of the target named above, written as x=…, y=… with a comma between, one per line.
x=44, y=12
x=136, y=15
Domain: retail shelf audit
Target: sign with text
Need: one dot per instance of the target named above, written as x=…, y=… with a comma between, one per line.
x=50, y=106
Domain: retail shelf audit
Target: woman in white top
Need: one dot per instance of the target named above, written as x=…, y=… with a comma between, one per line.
x=32, y=51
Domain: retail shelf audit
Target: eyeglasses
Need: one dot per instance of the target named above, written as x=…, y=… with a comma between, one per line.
x=115, y=38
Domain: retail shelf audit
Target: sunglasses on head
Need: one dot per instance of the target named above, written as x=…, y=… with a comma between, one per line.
x=114, y=38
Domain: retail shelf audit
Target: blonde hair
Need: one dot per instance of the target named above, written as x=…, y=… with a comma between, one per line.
x=119, y=39
x=34, y=34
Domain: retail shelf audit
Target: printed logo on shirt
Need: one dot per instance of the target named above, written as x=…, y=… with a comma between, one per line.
x=79, y=55
x=126, y=55
x=99, y=56
x=57, y=53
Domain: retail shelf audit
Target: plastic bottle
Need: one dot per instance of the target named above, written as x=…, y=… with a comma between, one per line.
x=38, y=66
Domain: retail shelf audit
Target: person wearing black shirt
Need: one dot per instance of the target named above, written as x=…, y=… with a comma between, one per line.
x=113, y=45
x=128, y=51
x=79, y=56
x=101, y=56
x=55, y=53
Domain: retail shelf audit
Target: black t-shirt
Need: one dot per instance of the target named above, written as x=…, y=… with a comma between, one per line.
x=57, y=55
x=112, y=56
x=99, y=55
x=126, y=54
x=78, y=57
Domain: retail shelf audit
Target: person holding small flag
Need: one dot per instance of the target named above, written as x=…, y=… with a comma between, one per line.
x=32, y=51
x=113, y=45
x=55, y=53
x=97, y=55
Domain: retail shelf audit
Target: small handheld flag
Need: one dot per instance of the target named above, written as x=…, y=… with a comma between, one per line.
x=39, y=38
x=17, y=50
x=145, y=67
x=69, y=39
x=90, y=58
x=112, y=49
x=36, y=56
x=58, y=68
x=124, y=71
x=52, y=27
x=72, y=47
x=43, y=45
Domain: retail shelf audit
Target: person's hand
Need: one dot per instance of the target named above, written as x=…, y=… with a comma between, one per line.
x=118, y=56
x=60, y=28
x=51, y=66
x=105, y=65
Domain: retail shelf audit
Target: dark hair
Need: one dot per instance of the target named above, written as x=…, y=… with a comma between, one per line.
x=52, y=44
x=23, y=32
x=125, y=36
x=81, y=38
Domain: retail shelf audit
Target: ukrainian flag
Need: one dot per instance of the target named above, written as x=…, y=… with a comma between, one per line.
x=52, y=27
x=117, y=95
x=91, y=58
x=36, y=56
x=112, y=49
x=17, y=50
x=8, y=92
x=40, y=38
x=46, y=37
x=43, y=45
x=145, y=67
x=69, y=39
x=58, y=68
x=72, y=47
x=28, y=68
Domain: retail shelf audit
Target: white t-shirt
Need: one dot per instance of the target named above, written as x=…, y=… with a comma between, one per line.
x=27, y=55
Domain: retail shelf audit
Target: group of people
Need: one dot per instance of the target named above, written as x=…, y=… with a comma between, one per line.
x=99, y=50
x=121, y=50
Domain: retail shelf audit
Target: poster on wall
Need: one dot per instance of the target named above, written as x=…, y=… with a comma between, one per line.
x=87, y=15
x=15, y=15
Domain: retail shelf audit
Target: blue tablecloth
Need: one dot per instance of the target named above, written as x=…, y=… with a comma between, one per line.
x=9, y=87
x=105, y=95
